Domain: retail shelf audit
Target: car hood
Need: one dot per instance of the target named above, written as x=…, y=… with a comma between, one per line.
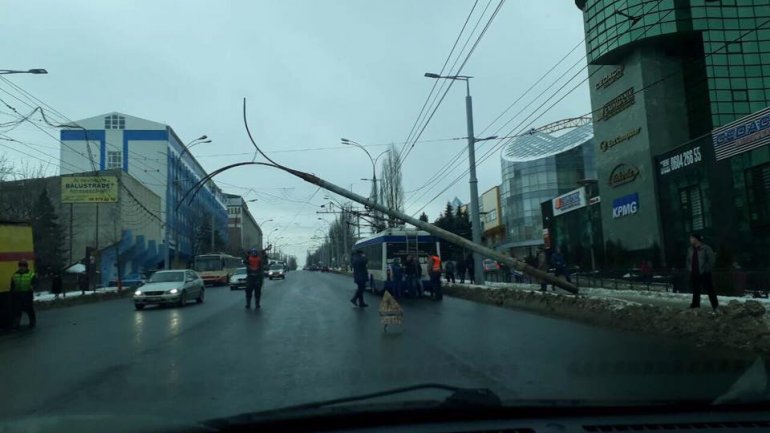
x=152, y=287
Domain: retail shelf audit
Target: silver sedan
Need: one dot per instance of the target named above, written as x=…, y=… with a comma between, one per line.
x=170, y=288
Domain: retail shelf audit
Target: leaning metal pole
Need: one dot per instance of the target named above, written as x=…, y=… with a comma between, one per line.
x=436, y=231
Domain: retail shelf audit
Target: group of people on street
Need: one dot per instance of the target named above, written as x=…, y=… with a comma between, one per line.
x=559, y=264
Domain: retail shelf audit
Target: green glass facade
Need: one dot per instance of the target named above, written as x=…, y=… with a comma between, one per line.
x=694, y=66
x=734, y=37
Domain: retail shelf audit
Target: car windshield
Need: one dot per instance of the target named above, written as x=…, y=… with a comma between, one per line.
x=564, y=202
x=166, y=277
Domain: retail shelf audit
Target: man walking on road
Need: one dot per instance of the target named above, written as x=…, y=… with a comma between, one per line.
x=255, y=276
x=700, y=263
x=360, y=276
x=434, y=267
x=449, y=271
x=470, y=265
x=542, y=265
x=23, y=283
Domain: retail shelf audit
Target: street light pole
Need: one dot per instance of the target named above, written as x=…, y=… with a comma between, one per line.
x=475, y=218
x=375, y=192
x=201, y=139
x=28, y=71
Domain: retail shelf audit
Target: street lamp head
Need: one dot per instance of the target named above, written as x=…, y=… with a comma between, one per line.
x=345, y=140
x=432, y=75
x=202, y=137
x=37, y=71
x=207, y=141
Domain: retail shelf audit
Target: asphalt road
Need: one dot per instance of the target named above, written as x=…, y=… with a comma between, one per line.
x=308, y=343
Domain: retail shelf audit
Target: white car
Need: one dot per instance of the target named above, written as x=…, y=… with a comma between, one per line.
x=170, y=287
x=238, y=280
x=276, y=271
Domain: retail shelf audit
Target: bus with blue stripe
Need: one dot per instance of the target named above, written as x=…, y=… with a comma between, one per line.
x=384, y=247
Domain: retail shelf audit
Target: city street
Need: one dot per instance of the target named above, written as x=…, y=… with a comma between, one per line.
x=308, y=343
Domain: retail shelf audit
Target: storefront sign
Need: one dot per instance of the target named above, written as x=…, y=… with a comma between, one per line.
x=569, y=201
x=622, y=174
x=609, y=144
x=595, y=200
x=618, y=104
x=610, y=78
x=626, y=205
x=744, y=134
x=91, y=189
x=680, y=160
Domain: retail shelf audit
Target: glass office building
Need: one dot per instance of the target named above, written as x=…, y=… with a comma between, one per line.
x=664, y=75
x=537, y=167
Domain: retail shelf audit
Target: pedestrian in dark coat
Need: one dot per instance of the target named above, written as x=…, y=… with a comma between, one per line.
x=449, y=270
x=461, y=269
x=542, y=265
x=470, y=264
x=56, y=284
x=700, y=264
x=360, y=276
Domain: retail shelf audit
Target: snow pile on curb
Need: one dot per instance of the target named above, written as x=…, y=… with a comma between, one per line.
x=740, y=325
x=46, y=300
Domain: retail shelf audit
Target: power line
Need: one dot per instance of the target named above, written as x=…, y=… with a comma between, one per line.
x=453, y=164
x=435, y=83
x=457, y=72
x=666, y=77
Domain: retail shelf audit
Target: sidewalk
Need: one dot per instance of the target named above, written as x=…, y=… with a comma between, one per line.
x=638, y=297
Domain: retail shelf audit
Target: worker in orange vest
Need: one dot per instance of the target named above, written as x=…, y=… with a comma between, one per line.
x=434, y=268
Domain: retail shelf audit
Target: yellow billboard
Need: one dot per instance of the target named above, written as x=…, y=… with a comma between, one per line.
x=89, y=189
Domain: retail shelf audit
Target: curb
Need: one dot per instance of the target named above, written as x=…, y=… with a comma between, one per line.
x=738, y=326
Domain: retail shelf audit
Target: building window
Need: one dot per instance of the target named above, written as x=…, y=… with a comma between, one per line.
x=692, y=208
x=740, y=95
x=114, y=159
x=114, y=122
x=758, y=194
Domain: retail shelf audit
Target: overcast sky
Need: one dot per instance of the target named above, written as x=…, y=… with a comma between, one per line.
x=312, y=72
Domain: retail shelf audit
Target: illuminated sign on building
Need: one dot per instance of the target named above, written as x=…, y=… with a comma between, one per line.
x=610, y=78
x=569, y=201
x=680, y=160
x=626, y=205
x=618, y=104
x=609, y=144
x=623, y=174
x=747, y=133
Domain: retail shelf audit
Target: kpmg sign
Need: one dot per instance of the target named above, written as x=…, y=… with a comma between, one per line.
x=626, y=205
x=569, y=201
x=744, y=134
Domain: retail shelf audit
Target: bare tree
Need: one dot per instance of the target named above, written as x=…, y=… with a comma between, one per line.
x=6, y=169
x=391, y=185
x=28, y=170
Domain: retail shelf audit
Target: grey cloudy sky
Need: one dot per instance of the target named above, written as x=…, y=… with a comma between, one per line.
x=312, y=71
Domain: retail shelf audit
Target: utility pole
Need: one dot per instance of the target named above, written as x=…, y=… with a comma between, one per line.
x=475, y=218
x=212, y=232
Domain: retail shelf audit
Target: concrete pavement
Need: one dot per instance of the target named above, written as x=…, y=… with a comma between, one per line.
x=309, y=343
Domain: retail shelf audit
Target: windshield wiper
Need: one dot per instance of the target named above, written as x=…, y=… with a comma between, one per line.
x=460, y=397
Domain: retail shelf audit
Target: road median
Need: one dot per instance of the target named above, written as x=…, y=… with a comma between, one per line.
x=737, y=325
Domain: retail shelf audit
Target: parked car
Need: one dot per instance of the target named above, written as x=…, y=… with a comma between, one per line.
x=276, y=271
x=170, y=288
x=238, y=280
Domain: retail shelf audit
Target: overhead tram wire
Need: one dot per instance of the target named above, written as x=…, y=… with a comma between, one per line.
x=660, y=80
x=454, y=163
x=425, y=104
x=451, y=82
x=512, y=133
x=139, y=159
